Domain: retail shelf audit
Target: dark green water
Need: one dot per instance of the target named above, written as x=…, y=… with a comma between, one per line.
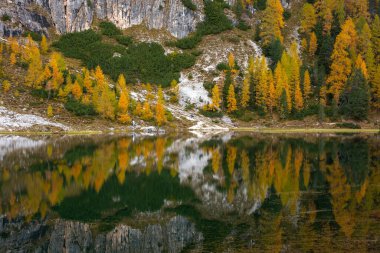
x=225, y=193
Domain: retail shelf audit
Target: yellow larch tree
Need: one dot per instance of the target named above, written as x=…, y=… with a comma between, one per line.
x=308, y=18
x=104, y=99
x=146, y=113
x=231, y=99
x=174, y=91
x=298, y=98
x=361, y=65
x=123, y=105
x=231, y=60
x=12, y=59
x=87, y=82
x=77, y=90
x=272, y=22
x=34, y=76
x=149, y=94
x=324, y=10
x=306, y=85
x=6, y=86
x=245, y=92
x=49, y=111
x=160, y=108
x=216, y=99
x=138, y=110
x=341, y=66
x=271, y=98
x=14, y=46
x=313, y=44
x=262, y=85
x=121, y=84
x=44, y=45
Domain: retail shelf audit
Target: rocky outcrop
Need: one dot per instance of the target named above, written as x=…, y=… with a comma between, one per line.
x=78, y=15
x=171, y=15
x=76, y=237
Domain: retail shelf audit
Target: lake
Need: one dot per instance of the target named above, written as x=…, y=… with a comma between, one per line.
x=230, y=192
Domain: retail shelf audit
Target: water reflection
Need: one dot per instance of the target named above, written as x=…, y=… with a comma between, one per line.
x=238, y=192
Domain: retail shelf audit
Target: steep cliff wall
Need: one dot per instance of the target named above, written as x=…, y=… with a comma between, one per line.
x=78, y=15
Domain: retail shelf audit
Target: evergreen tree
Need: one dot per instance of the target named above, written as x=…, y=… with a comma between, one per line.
x=354, y=102
x=376, y=89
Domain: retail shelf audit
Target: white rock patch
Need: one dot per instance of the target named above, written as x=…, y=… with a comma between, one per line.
x=10, y=120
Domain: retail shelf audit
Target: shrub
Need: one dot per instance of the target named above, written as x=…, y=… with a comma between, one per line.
x=5, y=18
x=35, y=36
x=242, y=25
x=348, y=125
x=189, y=42
x=109, y=29
x=144, y=62
x=75, y=45
x=189, y=4
x=211, y=114
x=79, y=109
x=124, y=40
x=287, y=15
x=182, y=61
x=42, y=93
x=208, y=86
x=222, y=66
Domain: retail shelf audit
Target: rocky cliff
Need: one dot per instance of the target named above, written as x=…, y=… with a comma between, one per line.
x=78, y=15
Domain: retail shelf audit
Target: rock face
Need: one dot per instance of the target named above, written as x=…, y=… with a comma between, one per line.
x=76, y=237
x=158, y=14
x=78, y=15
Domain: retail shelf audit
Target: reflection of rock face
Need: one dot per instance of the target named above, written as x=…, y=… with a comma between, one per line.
x=70, y=237
x=73, y=237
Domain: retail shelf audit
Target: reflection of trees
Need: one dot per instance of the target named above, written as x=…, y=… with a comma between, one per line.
x=86, y=167
x=308, y=190
x=334, y=172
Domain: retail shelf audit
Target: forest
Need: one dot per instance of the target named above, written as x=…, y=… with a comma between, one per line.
x=329, y=71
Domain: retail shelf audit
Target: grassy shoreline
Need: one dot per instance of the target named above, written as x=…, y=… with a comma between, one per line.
x=238, y=129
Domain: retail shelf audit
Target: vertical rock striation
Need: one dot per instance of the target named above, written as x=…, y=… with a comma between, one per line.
x=78, y=15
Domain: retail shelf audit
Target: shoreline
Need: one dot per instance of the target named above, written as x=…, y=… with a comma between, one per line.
x=205, y=130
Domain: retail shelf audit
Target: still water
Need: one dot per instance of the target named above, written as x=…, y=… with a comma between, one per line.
x=235, y=192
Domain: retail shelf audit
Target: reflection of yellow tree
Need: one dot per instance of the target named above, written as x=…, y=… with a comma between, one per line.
x=215, y=155
x=231, y=157
x=160, y=150
x=340, y=192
